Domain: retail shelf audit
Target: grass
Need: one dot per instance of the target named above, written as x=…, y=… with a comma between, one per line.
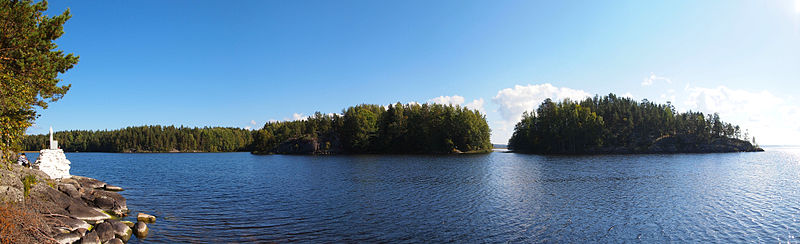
x=28, y=182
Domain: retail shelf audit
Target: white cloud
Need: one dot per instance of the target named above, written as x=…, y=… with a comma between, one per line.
x=253, y=122
x=458, y=100
x=476, y=104
x=300, y=116
x=513, y=102
x=454, y=100
x=652, y=78
x=768, y=117
x=628, y=95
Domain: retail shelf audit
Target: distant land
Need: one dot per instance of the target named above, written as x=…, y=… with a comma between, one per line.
x=361, y=129
x=620, y=125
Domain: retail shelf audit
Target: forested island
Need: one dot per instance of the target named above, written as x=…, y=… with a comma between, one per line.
x=620, y=125
x=398, y=128
x=149, y=139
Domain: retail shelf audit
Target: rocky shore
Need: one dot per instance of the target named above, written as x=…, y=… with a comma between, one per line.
x=70, y=210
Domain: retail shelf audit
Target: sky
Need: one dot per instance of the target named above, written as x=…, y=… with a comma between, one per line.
x=243, y=63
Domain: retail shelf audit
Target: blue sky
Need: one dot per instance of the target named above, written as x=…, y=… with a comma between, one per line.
x=239, y=63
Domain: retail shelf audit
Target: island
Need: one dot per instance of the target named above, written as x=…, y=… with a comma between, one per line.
x=376, y=129
x=620, y=125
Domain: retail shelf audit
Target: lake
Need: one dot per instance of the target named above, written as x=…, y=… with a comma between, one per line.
x=496, y=197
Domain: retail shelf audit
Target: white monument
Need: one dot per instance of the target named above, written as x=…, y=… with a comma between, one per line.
x=52, y=161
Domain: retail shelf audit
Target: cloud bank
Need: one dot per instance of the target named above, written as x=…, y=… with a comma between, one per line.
x=512, y=102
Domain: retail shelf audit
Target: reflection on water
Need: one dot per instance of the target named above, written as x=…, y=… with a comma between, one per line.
x=497, y=197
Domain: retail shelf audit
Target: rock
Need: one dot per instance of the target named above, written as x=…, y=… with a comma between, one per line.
x=11, y=194
x=111, y=202
x=104, y=203
x=87, y=214
x=89, y=182
x=140, y=230
x=112, y=188
x=104, y=231
x=54, y=163
x=146, y=218
x=114, y=241
x=90, y=238
x=121, y=230
x=67, y=238
x=128, y=223
x=70, y=190
x=69, y=223
x=82, y=231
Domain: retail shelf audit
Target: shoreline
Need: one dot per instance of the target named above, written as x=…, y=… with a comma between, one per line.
x=63, y=210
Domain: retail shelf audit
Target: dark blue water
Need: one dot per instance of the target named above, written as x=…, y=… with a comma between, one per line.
x=497, y=197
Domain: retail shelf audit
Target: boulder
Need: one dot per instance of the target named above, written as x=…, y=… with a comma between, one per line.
x=146, y=218
x=114, y=241
x=104, y=231
x=121, y=231
x=128, y=223
x=69, y=223
x=140, y=230
x=90, y=238
x=112, y=188
x=87, y=182
x=111, y=202
x=70, y=190
x=87, y=214
x=67, y=238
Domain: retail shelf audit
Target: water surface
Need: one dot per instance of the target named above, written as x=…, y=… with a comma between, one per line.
x=497, y=197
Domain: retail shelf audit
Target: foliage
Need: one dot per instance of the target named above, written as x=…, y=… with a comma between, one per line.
x=597, y=123
x=398, y=128
x=148, y=139
x=29, y=67
x=28, y=182
x=20, y=223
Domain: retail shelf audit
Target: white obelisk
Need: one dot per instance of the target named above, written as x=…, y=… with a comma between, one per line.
x=53, y=144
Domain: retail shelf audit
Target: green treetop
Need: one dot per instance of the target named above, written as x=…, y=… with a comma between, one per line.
x=29, y=67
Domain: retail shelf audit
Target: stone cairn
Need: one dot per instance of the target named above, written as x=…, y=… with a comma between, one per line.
x=52, y=161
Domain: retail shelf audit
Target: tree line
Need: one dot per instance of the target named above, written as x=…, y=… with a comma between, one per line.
x=148, y=139
x=397, y=128
x=612, y=121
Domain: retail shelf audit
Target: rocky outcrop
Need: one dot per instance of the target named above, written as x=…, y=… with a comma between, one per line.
x=69, y=207
x=682, y=144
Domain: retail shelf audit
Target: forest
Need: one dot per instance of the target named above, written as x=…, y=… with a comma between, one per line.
x=148, y=139
x=613, y=124
x=398, y=128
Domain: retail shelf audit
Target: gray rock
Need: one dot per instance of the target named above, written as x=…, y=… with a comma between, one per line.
x=105, y=231
x=112, y=188
x=111, y=202
x=114, y=241
x=128, y=223
x=87, y=182
x=140, y=230
x=11, y=194
x=69, y=223
x=90, y=238
x=65, y=238
x=146, y=218
x=70, y=190
x=82, y=231
x=121, y=230
x=87, y=214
